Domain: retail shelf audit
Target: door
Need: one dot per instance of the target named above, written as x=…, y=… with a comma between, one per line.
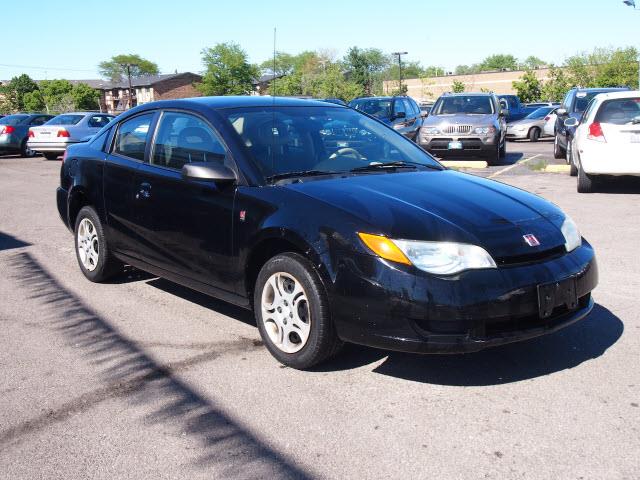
x=186, y=224
x=129, y=149
x=400, y=119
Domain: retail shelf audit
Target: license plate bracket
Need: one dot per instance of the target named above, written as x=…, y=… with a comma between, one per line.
x=555, y=294
x=455, y=145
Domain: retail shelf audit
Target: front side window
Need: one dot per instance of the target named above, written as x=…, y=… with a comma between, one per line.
x=184, y=138
x=379, y=108
x=399, y=107
x=132, y=137
x=286, y=140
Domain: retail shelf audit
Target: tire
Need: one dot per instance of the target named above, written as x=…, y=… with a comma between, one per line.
x=494, y=157
x=573, y=170
x=503, y=150
x=25, y=151
x=534, y=134
x=558, y=151
x=92, y=251
x=306, y=335
x=50, y=156
x=586, y=183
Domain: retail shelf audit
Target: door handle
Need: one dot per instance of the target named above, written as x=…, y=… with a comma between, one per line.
x=144, y=191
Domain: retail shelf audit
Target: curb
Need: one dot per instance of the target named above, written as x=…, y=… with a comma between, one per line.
x=464, y=163
x=557, y=168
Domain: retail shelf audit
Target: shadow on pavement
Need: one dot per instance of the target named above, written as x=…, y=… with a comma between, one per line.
x=7, y=242
x=619, y=185
x=129, y=373
x=568, y=348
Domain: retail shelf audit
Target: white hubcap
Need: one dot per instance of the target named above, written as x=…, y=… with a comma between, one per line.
x=285, y=312
x=88, y=249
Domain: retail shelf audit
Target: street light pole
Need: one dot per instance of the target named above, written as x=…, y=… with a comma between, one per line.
x=632, y=3
x=399, y=54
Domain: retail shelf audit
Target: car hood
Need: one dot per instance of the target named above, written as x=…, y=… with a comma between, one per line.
x=444, y=206
x=461, y=118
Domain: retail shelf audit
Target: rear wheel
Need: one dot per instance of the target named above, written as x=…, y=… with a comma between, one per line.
x=558, y=151
x=25, y=151
x=93, y=254
x=50, y=156
x=534, y=134
x=586, y=182
x=292, y=312
x=573, y=170
x=503, y=149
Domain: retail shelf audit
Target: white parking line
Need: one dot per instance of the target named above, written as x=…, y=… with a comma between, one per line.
x=506, y=169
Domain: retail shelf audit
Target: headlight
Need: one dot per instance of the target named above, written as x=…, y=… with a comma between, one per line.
x=485, y=130
x=440, y=258
x=430, y=131
x=572, y=237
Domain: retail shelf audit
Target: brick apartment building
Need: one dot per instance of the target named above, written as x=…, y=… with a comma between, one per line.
x=114, y=97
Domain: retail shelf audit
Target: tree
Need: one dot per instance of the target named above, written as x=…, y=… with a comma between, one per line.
x=458, y=87
x=228, y=71
x=121, y=67
x=499, y=62
x=532, y=63
x=529, y=88
x=33, y=101
x=557, y=85
x=57, y=95
x=466, y=69
x=20, y=86
x=604, y=67
x=364, y=66
x=85, y=97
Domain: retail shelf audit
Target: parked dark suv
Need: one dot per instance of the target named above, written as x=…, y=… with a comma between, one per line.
x=14, y=131
x=401, y=113
x=465, y=124
x=575, y=102
x=331, y=226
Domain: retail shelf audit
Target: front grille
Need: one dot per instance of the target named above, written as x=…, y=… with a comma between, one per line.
x=462, y=129
x=540, y=256
x=449, y=129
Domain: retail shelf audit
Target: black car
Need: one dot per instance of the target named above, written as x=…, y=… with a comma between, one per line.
x=401, y=113
x=363, y=239
x=574, y=104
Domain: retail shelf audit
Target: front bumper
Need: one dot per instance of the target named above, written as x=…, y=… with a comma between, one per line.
x=383, y=305
x=513, y=134
x=49, y=147
x=471, y=145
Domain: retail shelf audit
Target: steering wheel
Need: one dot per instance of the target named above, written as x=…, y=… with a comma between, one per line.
x=347, y=152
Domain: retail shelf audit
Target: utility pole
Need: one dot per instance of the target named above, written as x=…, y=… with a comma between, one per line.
x=632, y=3
x=399, y=54
x=128, y=65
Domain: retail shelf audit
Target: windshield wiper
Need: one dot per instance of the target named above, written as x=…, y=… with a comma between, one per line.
x=392, y=166
x=301, y=173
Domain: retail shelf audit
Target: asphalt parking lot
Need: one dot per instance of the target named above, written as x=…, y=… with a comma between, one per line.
x=141, y=378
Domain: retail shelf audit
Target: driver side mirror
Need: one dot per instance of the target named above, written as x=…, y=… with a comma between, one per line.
x=571, y=122
x=561, y=112
x=208, y=171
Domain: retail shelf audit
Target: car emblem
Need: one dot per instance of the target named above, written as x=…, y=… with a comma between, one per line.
x=531, y=240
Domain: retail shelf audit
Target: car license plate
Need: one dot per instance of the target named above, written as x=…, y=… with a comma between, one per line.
x=555, y=294
x=635, y=137
x=455, y=145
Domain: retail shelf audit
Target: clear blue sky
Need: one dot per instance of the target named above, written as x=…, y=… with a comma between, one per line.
x=77, y=34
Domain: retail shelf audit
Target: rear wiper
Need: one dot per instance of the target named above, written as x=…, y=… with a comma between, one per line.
x=301, y=173
x=392, y=165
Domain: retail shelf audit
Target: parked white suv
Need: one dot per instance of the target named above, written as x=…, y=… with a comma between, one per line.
x=607, y=139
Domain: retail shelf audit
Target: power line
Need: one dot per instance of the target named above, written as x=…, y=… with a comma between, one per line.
x=46, y=68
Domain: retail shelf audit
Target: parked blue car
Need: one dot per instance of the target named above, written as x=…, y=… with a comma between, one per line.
x=514, y=109
x=401, y=113
x=14, y=130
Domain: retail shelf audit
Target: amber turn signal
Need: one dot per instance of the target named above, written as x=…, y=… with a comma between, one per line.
x=383, y=247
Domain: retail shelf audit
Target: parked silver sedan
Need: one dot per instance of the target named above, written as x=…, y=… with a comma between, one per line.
x=53, y=138
x=531, y=126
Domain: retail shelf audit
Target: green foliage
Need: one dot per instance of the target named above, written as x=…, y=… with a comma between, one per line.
x=532, y=63
x=364, y=67
x=85, y=97
x=458, y=87
x=119, y=67
x=228, y=71
x=529, y=88
x=33, y=101
x=604, y=67
x=556, y=86
x=499, y=62
x=466, y=69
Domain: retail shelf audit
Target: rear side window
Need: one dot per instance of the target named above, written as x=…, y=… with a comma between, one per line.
x=99, y=121
x=184, y=138
x=621, y=111
x=38, y=121
x=13, y=119
x=65, y=120
x=132, y=137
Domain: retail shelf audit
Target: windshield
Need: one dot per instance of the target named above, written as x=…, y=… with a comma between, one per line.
x=540, y=113
x=12, y=119
x=622, y=111
x=65, y=120
x=284, y=140
x=472, y=104
x=377, y=107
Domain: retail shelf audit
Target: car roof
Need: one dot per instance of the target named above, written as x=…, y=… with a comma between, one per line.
x=602, y=89
x=247, y=101
x=618, y=94
x=473, y=94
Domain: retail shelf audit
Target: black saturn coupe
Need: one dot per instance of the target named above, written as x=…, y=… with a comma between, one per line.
x=327, y=223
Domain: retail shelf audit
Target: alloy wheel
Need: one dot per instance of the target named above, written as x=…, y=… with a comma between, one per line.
x=88, y=245
x=285, y=312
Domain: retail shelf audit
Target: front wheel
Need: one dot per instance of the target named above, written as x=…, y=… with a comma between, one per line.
x=494, y=156
x=534, y=134
x=92, y=251
x=558, y=151
x=573, y=170
x=292, y=312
